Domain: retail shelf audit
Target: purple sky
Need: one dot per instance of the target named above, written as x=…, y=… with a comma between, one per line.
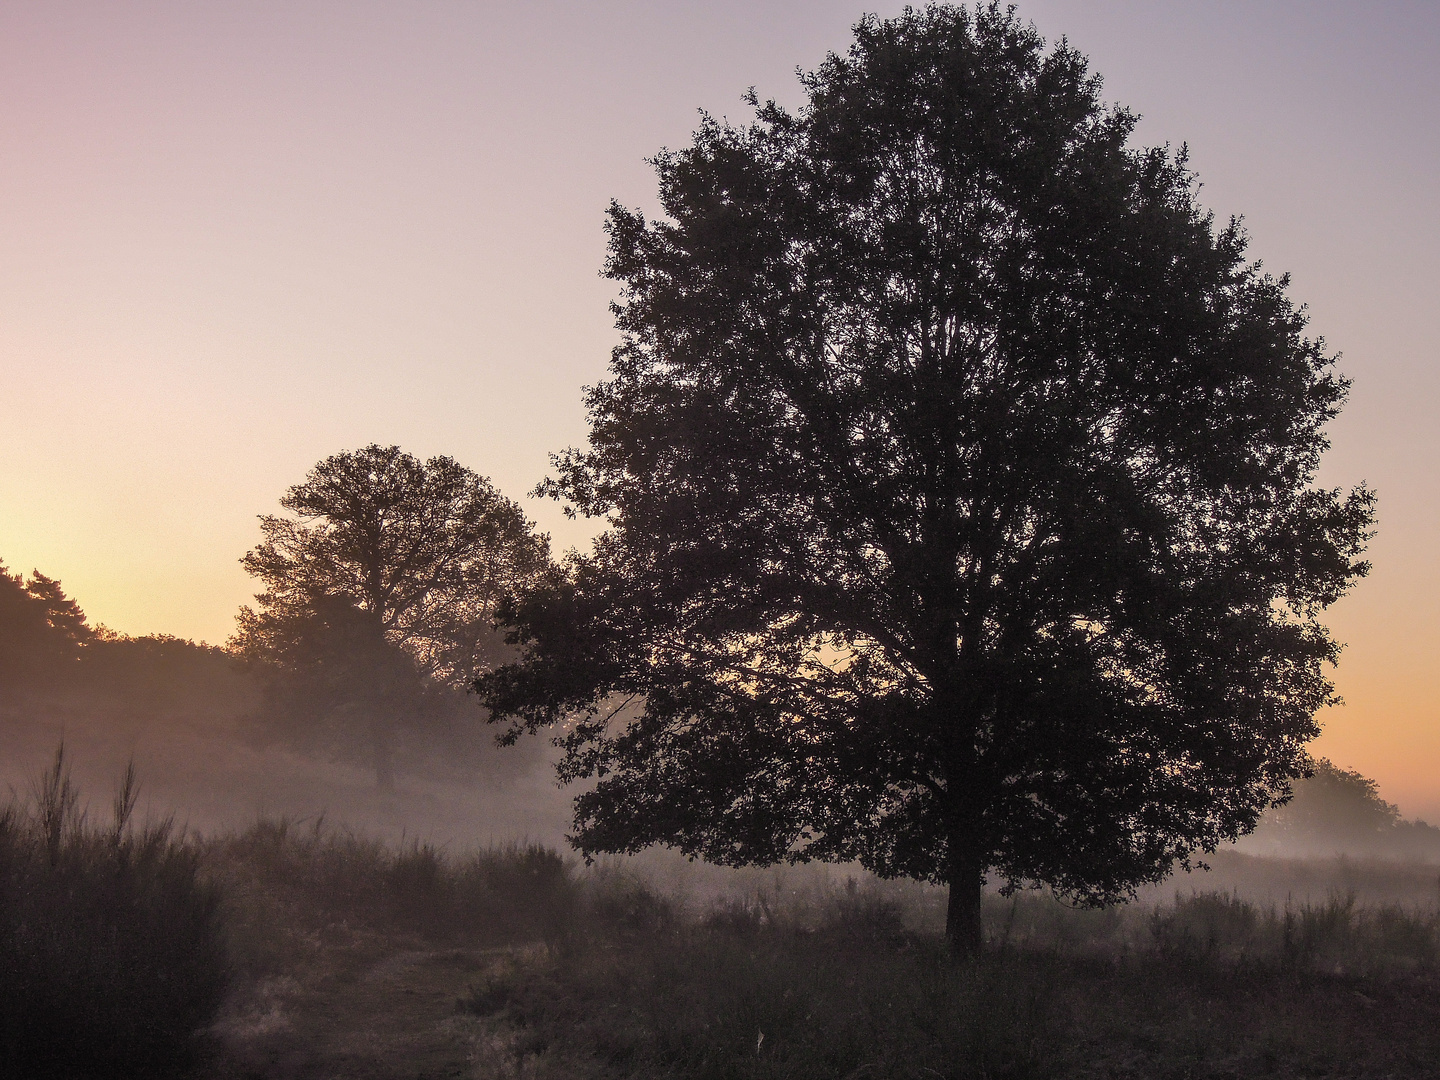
x=239, y=237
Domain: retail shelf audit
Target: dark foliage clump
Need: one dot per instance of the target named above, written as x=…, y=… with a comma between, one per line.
x=43, y=633
x=112, y=952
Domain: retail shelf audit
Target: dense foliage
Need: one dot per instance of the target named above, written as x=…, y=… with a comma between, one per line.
x=42, y=631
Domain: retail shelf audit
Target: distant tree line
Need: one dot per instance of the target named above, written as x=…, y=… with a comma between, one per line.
x=51, y=657
x=1339, y=811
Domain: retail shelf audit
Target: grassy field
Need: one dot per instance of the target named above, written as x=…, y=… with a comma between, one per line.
x=360, y=960
x=299, y=950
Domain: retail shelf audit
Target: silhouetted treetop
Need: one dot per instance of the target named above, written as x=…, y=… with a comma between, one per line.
x=960, y=475
x=425, y=549
x=42, y=631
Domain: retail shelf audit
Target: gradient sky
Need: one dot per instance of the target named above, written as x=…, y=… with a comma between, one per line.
x=238, y=237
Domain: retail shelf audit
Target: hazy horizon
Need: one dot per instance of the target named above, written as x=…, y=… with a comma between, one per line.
x=245, y=236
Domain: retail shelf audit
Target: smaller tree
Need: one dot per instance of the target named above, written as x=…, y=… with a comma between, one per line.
x=1333, y=810
x=1339, y=811
x=379, y=589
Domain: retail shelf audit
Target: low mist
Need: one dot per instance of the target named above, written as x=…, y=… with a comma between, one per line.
x=215, y=751
x=210, y=750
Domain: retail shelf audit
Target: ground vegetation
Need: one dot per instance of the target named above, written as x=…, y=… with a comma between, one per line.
x=295, y=949
x=112, y=947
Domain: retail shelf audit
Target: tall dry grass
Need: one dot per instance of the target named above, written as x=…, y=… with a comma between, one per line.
x=118, y=941
x=112, y=953
x=836, y=982
x=306, y=877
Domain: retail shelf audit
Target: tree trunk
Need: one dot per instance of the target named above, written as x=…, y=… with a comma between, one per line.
x=963, y=931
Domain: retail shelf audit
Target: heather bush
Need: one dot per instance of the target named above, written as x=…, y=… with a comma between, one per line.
x=320, y=876
x=112, y=955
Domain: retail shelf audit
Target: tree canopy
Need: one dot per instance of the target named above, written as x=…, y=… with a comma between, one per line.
x=959, y=475
x=381, y=584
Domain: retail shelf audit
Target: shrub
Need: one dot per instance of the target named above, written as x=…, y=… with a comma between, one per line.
x=319, y=876
x=112, y=955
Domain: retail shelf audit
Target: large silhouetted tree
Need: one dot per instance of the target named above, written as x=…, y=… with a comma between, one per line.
x=959, y=478
x=381, y=584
